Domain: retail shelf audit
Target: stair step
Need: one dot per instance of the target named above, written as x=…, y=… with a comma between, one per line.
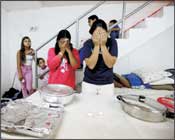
x=153, y=21
x=136, y=32
x=168, y=12
x=123, y=48
x=138, y=36
x=141, y=25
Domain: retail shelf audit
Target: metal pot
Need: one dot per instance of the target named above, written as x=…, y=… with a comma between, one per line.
x=57, y=94
x=143, y=108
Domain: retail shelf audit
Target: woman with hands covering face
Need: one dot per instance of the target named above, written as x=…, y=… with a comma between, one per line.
x=100, y=54
x=63, y=60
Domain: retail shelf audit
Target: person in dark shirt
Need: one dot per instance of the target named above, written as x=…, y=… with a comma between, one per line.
x=92, y=19
x=115, y=31
x=100, y=54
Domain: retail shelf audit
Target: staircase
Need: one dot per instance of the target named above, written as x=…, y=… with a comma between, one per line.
x=136, y=35
x=151, y=27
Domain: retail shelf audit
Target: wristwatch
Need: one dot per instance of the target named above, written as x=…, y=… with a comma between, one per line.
x=143, y=108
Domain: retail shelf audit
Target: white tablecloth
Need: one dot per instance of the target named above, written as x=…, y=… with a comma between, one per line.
x=101, y=116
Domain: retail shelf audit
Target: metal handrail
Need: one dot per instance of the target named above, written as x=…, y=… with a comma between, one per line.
x=158, y=10
x=90, y=10
x=75, y=21
x=131, y=13
x=79, y=18
x=123, y=16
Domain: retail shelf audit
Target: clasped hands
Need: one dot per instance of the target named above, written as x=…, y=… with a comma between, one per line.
x=64, y=45
x=99, y=37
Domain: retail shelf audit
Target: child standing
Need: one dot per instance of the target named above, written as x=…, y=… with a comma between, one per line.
x=43, y=71
x=25, y=57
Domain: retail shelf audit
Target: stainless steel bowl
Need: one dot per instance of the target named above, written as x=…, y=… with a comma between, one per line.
x=57, y=94
x=143, y=108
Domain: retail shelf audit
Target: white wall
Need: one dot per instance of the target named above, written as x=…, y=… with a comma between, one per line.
x=158, y=53
x=145, y=12
x=48, y=21
x=5, y=71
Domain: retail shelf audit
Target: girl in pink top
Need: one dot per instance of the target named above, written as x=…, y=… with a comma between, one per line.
x=63, y=60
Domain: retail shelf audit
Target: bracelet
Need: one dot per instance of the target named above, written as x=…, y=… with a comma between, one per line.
x=143, y=108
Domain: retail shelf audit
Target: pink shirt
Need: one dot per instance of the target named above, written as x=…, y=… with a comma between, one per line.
x=61, y=72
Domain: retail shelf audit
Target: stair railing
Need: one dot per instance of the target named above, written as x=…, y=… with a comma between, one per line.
x=76, y=21
x=124, y=17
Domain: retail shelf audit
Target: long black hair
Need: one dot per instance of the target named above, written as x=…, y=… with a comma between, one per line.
x=92, y=17
x=22, y=50
x=100, y=23
x=63, y=34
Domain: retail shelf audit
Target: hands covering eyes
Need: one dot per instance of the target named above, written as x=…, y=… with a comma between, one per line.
x=64, y=45
x=99, y=37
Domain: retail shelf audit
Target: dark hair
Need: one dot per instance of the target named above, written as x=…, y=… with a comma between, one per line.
x=92, y=17
x=38, y=59
x=113, y=21
x=98, y=23
x=22, y=50
x=63, y=34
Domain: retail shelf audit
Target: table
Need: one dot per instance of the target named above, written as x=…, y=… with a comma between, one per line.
x=101, y=117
